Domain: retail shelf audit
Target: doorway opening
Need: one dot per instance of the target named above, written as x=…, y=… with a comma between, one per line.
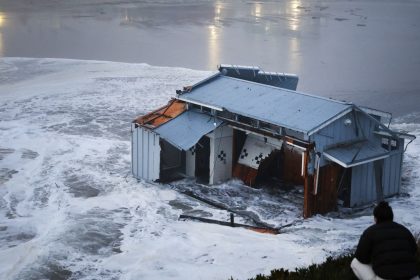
x=202, y=160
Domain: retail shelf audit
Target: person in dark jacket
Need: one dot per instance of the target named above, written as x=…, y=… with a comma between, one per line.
x=386, y=250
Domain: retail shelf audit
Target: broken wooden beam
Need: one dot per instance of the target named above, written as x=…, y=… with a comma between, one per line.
x=231, y=223
x=219, y=205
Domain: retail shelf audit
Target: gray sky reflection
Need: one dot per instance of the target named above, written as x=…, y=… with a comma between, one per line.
x=363, y=51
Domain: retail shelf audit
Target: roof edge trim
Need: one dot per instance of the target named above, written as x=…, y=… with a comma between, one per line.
x=199, y=103
x=393, y=133
x=206, y=80
x=292, y=91
x=331, y=120
x=345, y=165
x=376, y=112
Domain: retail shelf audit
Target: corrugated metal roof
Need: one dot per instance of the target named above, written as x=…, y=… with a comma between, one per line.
x=186, y=130
x=356, y=153
x=286, y=108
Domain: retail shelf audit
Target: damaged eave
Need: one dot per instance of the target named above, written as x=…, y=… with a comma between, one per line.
x=186, y=130
x=292, y=141
x=162, y=115
x=346, y=165
x=354, y=153
x=393, y=133
x=199, y=104
x=400, y=134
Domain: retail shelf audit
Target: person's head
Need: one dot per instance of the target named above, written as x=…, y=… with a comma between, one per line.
x=383, y=212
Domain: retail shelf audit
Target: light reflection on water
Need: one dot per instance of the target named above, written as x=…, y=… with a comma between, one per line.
x=2, y=23
x=215, y=31
x=319, y=41
x=257, y=11
x=214, y=45
x=294, y=9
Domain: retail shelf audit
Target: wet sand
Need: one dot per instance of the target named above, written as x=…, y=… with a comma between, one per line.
x=367, y=52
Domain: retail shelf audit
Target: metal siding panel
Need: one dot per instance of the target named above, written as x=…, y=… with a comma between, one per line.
x=151, y=149
x=145, y=154
x=366, y=183
x=398, y=168
x=386, y=177
x=355, y=186
x=157, y=157
x=134, y=153
x=334, y=133
x=363, y=189
x=139, y=152
x=371, y=183
x=398, y=173
x=373, y=195
x=155, y=164
x=400, y=162
x=390, y=175
x=141, y=148
x=152, y=156
x=363, y=181
x=393, y=174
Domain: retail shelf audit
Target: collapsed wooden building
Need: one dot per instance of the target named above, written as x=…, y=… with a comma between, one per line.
x=253, y=125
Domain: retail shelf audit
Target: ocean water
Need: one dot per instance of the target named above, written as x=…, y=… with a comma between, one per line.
x=363, y=51
x=69, y=208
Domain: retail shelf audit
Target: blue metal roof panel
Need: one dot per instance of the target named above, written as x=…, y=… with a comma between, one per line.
x=356, y=153
x=286, y=108
x=185, y=130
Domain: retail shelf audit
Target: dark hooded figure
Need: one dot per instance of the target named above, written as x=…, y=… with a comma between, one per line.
x=386, y=250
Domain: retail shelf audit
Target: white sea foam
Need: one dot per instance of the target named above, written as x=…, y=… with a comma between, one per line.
x=69, y=207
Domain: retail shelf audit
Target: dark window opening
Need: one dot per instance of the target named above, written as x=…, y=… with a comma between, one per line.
x=389, y=144
x=194, y=107
x=205, y=110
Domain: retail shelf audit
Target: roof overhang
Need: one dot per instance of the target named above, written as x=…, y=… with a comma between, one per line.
x=400, y=134
x=376, y=112
x=186, y=130
x=357, y=153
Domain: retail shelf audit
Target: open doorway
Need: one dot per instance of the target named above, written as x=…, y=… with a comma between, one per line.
x=172, y=162
x=344, y=187
x=202, y=160
x=239, y=138
x=270, y=170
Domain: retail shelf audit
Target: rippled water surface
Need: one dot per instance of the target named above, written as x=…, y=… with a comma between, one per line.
x=69, y=208
x=363, y=51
